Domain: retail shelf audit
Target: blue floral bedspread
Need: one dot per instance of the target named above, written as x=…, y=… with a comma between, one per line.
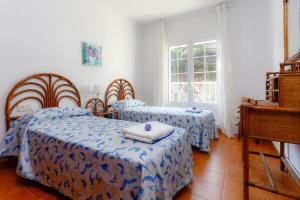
x=201, y=127
x=86, y=157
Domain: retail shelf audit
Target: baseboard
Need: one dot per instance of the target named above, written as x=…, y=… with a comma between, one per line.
x=277, y=147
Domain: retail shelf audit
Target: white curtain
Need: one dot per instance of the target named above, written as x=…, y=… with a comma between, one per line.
x=161, y=66
x=225, y=91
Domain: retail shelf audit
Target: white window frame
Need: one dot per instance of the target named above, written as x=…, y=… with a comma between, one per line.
x=190, y=101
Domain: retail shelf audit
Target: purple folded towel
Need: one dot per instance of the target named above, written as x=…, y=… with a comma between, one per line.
x=147, y=127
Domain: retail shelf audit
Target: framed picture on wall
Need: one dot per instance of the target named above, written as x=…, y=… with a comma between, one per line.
x=91, y=55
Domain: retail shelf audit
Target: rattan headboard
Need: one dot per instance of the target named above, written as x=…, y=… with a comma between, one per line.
x=119, y=88
x=47, y=89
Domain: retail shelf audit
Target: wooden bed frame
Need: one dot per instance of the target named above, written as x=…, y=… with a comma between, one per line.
x=47, y=89
x=119, y=88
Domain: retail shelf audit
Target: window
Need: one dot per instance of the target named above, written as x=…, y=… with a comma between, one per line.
x=193, y=73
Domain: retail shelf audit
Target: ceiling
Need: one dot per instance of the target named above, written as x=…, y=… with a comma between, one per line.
x=146, y=10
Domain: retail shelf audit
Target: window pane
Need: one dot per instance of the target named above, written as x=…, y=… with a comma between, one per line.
x=174, y=66
x=211, y=76
x=182, y=52
x=174, y=78
x=211, y=67
x=198, y=91
x=178, y=92
x=198, y=77
x=183, y=77
x=173, y=52
x=205, y=92
x=198, y=50
x=183, y=65
x=199, y=65
x=211, y=59
x=211, y=48
x=205, y=75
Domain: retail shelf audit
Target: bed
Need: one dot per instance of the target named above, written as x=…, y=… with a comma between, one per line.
x=86, y=157
x=201, y=127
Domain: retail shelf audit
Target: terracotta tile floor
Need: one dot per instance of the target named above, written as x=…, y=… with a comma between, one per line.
x=218, y=175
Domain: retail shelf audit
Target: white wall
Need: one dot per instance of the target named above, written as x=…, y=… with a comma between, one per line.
x=278, y=37
x=250, y=31
x=198, y=25
x=293, y=24
x=145, y=74
x=45, y=36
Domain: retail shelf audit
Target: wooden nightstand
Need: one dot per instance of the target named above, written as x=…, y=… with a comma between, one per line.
x=98, y=108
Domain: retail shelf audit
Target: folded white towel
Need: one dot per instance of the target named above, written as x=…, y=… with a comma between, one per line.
x=157, y=132
x=197, y=110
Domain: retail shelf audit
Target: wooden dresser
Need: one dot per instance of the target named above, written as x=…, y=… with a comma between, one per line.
x=275, y=119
